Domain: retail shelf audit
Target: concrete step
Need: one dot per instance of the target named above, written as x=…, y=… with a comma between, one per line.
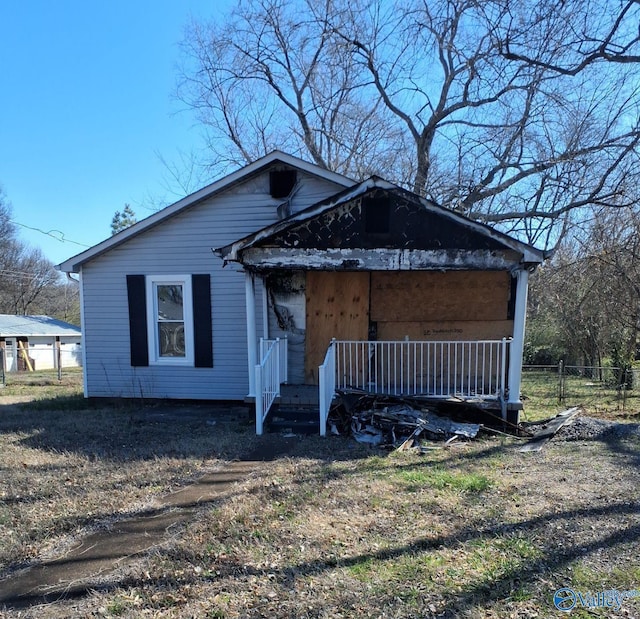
x=304, y=413
x=293, y=427
x=299, y=420
x=299, y=395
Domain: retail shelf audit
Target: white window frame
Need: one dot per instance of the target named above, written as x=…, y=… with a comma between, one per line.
x=151, y=282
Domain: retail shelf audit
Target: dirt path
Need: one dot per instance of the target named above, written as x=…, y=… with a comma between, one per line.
x=97, y=555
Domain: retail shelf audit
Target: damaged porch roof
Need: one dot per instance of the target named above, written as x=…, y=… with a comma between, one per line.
x=376, y=225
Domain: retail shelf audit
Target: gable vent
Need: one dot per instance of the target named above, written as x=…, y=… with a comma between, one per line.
x=377, y=214
x=282, y=182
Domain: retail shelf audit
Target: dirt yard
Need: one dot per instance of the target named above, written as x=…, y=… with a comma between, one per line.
x=334, y=529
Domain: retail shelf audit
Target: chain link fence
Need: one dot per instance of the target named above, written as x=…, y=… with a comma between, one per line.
x=598, y=388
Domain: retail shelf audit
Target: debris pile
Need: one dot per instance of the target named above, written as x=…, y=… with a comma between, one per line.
x=394, y=421
x=400, y=422
x=588, y=428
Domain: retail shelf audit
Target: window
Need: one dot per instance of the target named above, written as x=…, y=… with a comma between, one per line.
x=170, y=319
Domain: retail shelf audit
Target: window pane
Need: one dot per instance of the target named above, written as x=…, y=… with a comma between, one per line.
x=171, y=337
x=170, y=305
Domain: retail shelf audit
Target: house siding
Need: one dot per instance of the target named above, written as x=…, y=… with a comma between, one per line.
x=182, y=245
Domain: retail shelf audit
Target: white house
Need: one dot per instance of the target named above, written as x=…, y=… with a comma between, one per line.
x=175, y=305
x=38, y=342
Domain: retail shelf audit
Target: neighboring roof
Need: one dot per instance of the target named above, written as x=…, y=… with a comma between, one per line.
x=17, y=326
x=72, y=264
x=231, y=252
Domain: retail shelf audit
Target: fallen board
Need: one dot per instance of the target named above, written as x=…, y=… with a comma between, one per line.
x=541, y=438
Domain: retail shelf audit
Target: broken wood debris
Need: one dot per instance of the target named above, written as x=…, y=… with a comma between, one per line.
x=399, y=421
x=396, y=421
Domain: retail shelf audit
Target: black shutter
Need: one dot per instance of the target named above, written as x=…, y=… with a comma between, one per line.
x=202, y=328
x=137, y=295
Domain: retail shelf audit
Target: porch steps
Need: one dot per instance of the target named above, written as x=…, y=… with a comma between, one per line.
x=296, y=410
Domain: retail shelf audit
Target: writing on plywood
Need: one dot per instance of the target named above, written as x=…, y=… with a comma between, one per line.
x=446, y=330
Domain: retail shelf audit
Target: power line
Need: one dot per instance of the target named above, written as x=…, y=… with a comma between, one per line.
x=22, y=274
x=58, y=235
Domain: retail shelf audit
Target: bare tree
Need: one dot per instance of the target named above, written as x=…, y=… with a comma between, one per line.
x=585, y=302
x=428, y=94
x=612, y=249
x=24, y=272
x=277, y=76
x=568, y=36
x=60, y=300
x=566, y=315
x=7, y=229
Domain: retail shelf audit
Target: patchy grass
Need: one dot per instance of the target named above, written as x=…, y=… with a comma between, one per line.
x=43, y=385
x=66, y=467
x=540, y=390
x=333, y=530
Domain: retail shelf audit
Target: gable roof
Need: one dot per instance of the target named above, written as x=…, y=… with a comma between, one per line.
x=72, y=264
x=262, y=237
x=16, y=326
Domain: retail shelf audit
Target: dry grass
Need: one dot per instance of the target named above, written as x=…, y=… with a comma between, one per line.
x=336, y=529
x=42, y=385
x=473, y=531
x=540, y=390
x=67, y=466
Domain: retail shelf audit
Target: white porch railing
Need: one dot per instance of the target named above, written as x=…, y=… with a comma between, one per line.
x=282, y=342
x=327, y=385
x=447, y=368
x=270, y=373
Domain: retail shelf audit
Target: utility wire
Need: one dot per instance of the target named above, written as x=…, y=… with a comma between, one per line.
x=22, y=274
x=58, y=235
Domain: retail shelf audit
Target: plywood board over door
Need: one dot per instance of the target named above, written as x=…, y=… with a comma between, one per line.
x=337, y=306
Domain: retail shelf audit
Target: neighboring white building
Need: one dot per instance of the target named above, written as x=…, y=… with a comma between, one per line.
x=32, y=342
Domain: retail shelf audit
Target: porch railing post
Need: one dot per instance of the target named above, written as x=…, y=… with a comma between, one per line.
x=322, y=382
x=517, y=342
x=277, y=367
x=503, y=378
x=284, y=372
x=259, y=398
x=252, y=342
x=326, y=385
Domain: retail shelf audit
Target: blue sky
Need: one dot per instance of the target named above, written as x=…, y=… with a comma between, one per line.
x=86, y=106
